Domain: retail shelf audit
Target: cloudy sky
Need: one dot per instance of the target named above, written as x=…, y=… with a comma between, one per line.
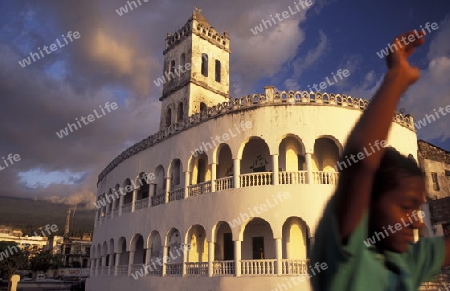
x=116, y=58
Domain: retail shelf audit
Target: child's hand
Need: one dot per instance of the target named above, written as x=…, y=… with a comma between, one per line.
x=397, y=61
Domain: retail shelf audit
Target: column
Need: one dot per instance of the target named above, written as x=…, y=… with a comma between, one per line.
x=187, y=178
x=237, y=257
x=279, y=255
x=236, y=173
x=185, y=259
x=133, y=200
x=167, y=193
x=210, y=258
x=120, y=204
x=275, y=169
x=164, y=260
x=116, y=263
x=151, y=193
x=309, y=174
x=130, y=263
x=213, y=177
x=112, y=263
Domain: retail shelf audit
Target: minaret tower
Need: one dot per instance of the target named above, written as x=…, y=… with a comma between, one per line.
x=196, y=70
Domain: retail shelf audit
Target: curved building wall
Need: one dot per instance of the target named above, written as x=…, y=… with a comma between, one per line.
x=252, y=197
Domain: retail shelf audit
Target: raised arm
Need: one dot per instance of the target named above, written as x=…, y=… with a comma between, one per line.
x=355, y=182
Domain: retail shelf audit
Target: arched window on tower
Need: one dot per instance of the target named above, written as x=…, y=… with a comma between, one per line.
x=203, y=109
x=172, y=66
x=169, y=117
x=205, y=65
x=183, y=59
x=180, y=112
x=218, y=68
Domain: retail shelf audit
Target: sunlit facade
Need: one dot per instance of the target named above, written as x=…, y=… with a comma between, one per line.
x=239, y=213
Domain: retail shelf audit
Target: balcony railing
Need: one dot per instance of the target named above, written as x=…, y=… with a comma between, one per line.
x=153, y=270
x=116, y=212
x=294, y=267
x=105, y=271
x=256, y=179
x=137, y=268
x=224, y=183
x=197, y=268
x=223, y=268
x=174, y=269
x=141, y=204
x=292, y=178
x=176, y=194
x=258, y=267
x=126, y=208
x=198, y=189
x=157, y=200
x=122, y=270
x=325, y=177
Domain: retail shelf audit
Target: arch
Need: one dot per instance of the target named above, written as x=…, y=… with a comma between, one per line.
x=143, y=189
x=160, y=181
x=291, y=152
x=204, y=68
x=180, y=112
x=174, y=246
x=218, y=74
x=111, y=247
x=223, y=157
x=137, y=246
x=121, y=249
x=256, y=159
x=200, y=170
x=183, y=59
x=198, y=246
x=116, y=202
x=223, y=241
x=154, y=245
x=257, y=240
x=326, y=153
x=128, y=198
x=295, y=239
x=175, y=172
x=168, y=117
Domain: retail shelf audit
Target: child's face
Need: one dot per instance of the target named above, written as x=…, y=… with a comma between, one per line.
x=396, y=213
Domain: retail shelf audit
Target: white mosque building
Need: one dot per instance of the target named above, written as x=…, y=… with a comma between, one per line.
x=228, y=193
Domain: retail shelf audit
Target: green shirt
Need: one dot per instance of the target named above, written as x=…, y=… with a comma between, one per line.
x=358, y=267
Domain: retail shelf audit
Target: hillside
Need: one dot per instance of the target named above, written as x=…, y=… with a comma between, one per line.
x=29, y=215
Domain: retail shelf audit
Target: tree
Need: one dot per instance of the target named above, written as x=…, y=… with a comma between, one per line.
x=12, y=258
x=45, y=260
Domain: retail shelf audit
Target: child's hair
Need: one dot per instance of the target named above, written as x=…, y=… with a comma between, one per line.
x=393, y=167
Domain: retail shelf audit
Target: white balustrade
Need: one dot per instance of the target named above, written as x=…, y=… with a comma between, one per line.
x=197, y=268
x=294, y=267
x=258, y=267
x=325, y=177
x=256, y=179
x=126, y=208
x=176, y=194
x=141, y=204
x=292, y=178
x=200, y=188
x=122, y=270
x=223, y=268
x=174, y=269
x=157, y=200
x=224, y=183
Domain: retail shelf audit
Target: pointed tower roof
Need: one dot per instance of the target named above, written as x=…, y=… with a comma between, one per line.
x=197, y=15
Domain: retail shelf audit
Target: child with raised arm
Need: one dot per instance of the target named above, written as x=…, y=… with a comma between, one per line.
x=383, y=190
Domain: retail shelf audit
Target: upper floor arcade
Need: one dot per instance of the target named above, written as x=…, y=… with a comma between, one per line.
x=217, y=169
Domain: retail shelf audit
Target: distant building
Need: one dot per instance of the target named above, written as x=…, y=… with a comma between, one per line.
x=23, y=242
x=75, y=250
x=435, y=162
